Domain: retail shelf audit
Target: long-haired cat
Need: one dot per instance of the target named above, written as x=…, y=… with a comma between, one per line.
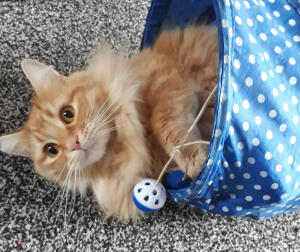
x=115, y=123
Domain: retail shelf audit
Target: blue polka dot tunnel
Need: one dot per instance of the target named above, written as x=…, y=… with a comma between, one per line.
x=253, y=165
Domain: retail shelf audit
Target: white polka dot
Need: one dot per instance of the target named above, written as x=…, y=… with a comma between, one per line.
x=255, y=2
x=278, y=168
x=252, y=39
x=264, y=76
x=225, y=59
x=218, y=132
x=239, y=208
x=257, y=187
x=248, y=198
x=295, y=119
x=294, y=100
x=285, y=107
x=282, y=127
x=280, y=147
x=277, y=49
x=231, y=176
x=228, y=116
x=260, y=18
x=298, y=168
x=211, y=207
x=246, y=104
x=274, y=186
x=255, y=141
x=296, y=38
x=283, y=196
x=281, y=28
x=263, y=174
x=238, y=164
x=239, y=41
x=274, y=31
x=271, y=73
x=288, y=43
x=292, y=22
x=252, y=59
x=234, y=86
x=268, y=16
x=220, y=178
x=230, y=32
x=262, y=3
x=225, y=209
x=227, y=2
x=290, y=159
x=293, y=80
x=249, y=81
x=251, y=160
x=292, y=140
x=208, y=201
x=268, y=155
x=223, y=97
x=261, y=98
x=224, y=23
x=237, y=5
x=232, y=195
x=249, y=22
x=269, y=134
x=287, y=7
x=238, y=20
x=266, y=197
x=272, y=1
x=241, y=145
x=231, y=130
x=263, y=36
x=282, y=87
x=266, y=56
x=209, y=162
x=236, y=108
x=239, y=187
x=288, y=179
x=292, y=61
x=247, y=5
x=210, y=182
x=276, y=13
x=279, y=69
x=236, y=64
x=257, y=120
x=272, y=113
x=225, y=164
x=275, y=92
x=247, y=175
x=246, y=126
x=296, y=185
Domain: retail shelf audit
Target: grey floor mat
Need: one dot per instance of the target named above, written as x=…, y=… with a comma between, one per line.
x=64, y=33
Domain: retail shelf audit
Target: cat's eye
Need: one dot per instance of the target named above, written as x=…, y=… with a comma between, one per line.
x=67, y=114
x=51, y=149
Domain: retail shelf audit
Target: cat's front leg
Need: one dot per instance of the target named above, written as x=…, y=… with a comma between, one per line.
x=171, y=119
x=115, y=198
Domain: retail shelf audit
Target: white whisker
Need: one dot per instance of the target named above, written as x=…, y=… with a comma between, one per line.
x=107, y=130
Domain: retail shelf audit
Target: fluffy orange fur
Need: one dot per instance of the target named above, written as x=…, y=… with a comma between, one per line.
x=129, y=114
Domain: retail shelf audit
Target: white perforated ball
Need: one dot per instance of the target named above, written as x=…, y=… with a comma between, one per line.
x=149, y=197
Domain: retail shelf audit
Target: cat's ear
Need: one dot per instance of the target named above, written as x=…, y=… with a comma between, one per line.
x=13, y=144
x=38, y=74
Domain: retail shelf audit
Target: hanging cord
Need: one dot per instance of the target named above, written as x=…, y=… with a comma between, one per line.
x=177, y=149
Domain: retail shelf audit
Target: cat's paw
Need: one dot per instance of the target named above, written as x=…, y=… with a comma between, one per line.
x=191, y=159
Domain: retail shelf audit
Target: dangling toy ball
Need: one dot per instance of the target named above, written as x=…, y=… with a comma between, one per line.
x=149, y=197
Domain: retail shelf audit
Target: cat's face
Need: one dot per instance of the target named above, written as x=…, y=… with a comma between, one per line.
x=69, y=125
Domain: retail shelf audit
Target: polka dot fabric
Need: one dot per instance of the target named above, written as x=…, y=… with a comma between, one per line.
x=253, y=168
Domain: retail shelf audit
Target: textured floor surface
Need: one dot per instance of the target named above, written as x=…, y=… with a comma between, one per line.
x=63, y=34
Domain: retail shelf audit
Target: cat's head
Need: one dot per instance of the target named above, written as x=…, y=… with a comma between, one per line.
x=72, y=117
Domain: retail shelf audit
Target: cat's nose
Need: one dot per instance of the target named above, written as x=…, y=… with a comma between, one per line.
x=75, y=145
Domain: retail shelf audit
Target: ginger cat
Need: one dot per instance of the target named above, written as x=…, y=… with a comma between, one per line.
x=115, y=123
